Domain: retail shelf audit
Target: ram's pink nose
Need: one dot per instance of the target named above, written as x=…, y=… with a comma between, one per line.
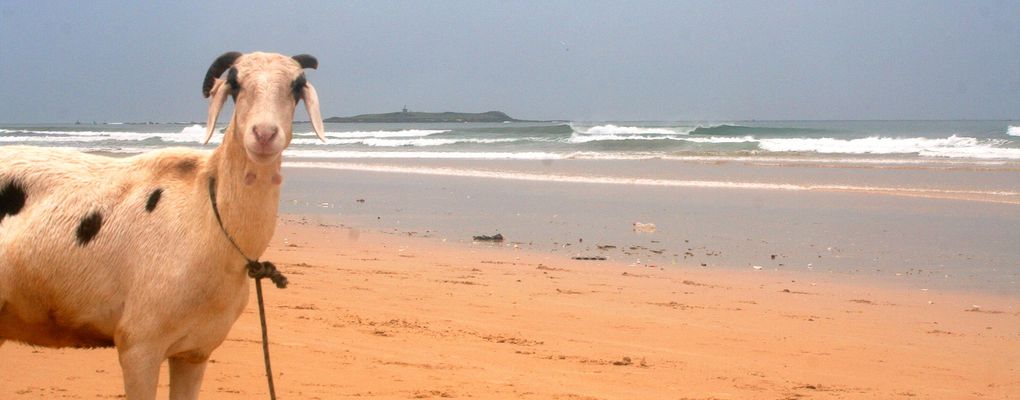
x=265, y=133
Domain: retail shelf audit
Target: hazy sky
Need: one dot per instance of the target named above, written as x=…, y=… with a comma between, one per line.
x=581, y=60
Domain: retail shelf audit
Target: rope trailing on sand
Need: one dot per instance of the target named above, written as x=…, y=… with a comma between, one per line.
x=256, y=270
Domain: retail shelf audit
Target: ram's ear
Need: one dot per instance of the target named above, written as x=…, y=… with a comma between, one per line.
x=312, y=105
x=217, y=97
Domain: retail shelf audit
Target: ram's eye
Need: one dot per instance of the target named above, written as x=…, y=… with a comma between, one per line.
x=298, y=87
x=235, y=86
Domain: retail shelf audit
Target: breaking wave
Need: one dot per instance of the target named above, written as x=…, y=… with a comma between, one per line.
x=610, y=129
x=577, y=140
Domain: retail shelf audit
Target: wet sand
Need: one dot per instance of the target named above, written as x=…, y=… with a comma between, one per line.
x=375, y=315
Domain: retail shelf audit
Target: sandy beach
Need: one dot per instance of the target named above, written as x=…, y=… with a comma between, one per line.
x=377, y=315
x=570, y=200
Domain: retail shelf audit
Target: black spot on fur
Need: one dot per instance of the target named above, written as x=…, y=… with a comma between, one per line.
x=298, y=86
x=12, y=199
x=89, y=227
x=153, y=199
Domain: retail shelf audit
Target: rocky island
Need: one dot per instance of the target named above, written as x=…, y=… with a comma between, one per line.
x=414, y=116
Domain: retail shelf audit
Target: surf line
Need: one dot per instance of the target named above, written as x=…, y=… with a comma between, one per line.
x=1007, y=197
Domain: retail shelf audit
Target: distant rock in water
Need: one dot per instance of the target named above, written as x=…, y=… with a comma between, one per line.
x=409, y=116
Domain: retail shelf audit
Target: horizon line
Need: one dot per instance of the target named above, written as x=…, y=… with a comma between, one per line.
x=78, y=122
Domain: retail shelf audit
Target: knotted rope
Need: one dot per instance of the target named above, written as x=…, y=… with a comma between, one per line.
x=256, y=270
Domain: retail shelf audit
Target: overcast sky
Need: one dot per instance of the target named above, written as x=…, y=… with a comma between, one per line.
x=580, y=60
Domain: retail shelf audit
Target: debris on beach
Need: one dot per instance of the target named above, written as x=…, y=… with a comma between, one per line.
x=588, y=258
x=485, y=238
x=757, y=267
x=644, y=227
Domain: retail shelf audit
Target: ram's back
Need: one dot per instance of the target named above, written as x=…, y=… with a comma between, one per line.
x=78, y=232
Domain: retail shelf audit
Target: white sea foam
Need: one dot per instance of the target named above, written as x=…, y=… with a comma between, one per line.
x=412, y=142
x=554, y=146
x=622, y=156
x=44, y=139
x=953, y=146
x=576, y=138
x=196, y=129
x=973, y=152
x=73, y=133
x=118, y=136
x=458, y=155
x=584, y=138
x=719, y=139
x=188, y=134
x=611, y=129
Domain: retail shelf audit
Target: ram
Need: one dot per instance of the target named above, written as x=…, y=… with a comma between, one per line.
x=129, y=253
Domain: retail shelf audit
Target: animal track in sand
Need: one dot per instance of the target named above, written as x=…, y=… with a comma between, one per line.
x=620, y=362
x=469, y=283
x=418, y=394
x=871, y=303
x=707, y=285
x=797, y=292
x=678, y=306
x=810, y=318
x=299, y=307
x=510, y=340
x=682, y=306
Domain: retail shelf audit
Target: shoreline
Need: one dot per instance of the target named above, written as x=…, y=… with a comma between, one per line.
x=991, y=196
x=379, y=315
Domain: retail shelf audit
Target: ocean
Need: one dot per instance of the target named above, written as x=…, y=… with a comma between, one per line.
x=881, y=200
x=879, y=142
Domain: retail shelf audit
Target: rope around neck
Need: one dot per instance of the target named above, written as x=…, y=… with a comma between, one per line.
x=256, y=270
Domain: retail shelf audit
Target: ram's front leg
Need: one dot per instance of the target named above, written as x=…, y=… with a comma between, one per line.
x=186, y=377
x=140, y=364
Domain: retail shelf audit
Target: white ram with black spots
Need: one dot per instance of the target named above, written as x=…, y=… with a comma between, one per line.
x=127, y=253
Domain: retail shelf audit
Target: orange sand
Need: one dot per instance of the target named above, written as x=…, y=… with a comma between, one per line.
x=374, y=315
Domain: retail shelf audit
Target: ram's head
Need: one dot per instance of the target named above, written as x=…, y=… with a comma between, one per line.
x=266, y=88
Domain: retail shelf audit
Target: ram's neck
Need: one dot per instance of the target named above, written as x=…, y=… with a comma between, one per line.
x=247, y=194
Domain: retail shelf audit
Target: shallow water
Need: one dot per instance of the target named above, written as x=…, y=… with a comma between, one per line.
x=917, y=242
